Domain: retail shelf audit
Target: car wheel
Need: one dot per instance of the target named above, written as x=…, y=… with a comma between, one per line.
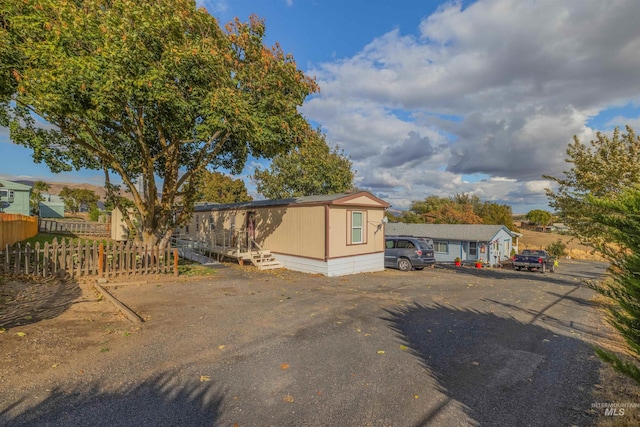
x=553, y=268
x=404, y=264
x=543, y=269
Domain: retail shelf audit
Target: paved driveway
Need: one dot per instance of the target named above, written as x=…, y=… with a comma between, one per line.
x=442, y=347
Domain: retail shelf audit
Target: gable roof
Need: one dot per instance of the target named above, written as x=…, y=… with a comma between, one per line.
x=463, y=232
x=361, y=199
x=10, y=185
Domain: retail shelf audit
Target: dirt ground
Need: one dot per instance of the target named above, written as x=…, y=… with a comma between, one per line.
x=49, y=325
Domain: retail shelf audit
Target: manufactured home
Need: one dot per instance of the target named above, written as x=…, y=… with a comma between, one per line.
x=491, y=244
x=333, y=234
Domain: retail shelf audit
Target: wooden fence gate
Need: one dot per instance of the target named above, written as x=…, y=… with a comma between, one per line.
x=88, y=258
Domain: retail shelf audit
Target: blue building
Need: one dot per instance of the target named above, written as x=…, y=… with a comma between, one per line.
x=469, y=242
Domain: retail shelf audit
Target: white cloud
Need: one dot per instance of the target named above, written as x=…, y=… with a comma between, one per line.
x=497, y=88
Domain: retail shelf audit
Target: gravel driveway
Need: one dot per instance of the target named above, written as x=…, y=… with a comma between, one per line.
x=443, y=347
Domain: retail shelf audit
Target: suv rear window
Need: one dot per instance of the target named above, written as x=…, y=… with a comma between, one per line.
x=426, y=243
x=405, y=244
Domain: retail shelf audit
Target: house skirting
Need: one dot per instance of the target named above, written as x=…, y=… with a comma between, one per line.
x=334, y=267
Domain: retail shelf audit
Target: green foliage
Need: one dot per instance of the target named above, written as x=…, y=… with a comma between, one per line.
x=620, y=220
x=557, y=248
x=154, y=92
x=311, y=169
x=36, y=197
x=461, y=208
x=603, y=168
x=75, y=198
x=539, y=217
x=217, y=187
x=94, y=213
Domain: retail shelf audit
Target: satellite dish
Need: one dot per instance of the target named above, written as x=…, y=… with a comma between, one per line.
x=4, y=205
x=385, y=220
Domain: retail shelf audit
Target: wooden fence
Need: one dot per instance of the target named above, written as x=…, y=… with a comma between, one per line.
x=15, y=228
x=88, y=258
x=79, y=228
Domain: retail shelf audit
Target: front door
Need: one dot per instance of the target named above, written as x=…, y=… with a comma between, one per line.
x=250, y=226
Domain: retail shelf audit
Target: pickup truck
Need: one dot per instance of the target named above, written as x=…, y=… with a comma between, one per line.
x=534, y=259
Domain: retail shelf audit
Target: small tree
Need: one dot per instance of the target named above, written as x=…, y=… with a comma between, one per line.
x=36, y=197
x=557, y=248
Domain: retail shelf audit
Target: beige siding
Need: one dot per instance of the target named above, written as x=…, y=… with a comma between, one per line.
x=292, y=230
x=361, y=201
x=340, y=232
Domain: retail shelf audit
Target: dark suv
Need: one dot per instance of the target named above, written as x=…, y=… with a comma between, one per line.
x=407, y=252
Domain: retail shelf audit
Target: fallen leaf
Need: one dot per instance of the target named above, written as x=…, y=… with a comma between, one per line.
x=204, y=378
x=415, y=396
x=2, y=330
x=220, y=347
x=284, y=366
x=28, y=317
x=475, y=363
x=55, y=365
x=404, y=347
x=21, y=334
x=380, y=351
x=288, y=398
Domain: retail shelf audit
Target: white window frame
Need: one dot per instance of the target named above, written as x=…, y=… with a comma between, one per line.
x=357, y=227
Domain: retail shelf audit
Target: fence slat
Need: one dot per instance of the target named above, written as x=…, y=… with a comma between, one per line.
x=86, y=258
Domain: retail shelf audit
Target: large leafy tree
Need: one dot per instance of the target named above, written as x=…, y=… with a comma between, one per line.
x=312, y=168
x=599, y=198
x=539, y=217
x=444, y=210
x=603, y=168
x=217, y=187
x=152, y=92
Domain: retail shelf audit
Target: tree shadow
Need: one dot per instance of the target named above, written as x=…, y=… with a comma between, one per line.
x=559, y=277
x=159, y=401
x=502, y=371
x=27, y=300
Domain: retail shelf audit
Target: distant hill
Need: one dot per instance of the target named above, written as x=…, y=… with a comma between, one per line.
x=56, y=187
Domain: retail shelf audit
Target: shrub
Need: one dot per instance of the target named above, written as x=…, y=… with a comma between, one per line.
x=557, y=248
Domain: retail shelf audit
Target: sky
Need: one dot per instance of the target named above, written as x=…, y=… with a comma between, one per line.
x=438, y=98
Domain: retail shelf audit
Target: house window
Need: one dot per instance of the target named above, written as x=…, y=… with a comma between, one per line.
x=357, y=228
x=442, y=247
x=6, y=195
x=473, y=249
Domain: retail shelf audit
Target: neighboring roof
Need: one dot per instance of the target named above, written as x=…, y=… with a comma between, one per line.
x=463, y=232
x=326, y=199
x=10, y=185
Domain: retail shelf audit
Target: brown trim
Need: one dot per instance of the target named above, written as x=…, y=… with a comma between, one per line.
x=329, y=258
x=342, y=200
x=299, y=256
x=349, y=256
x=326, y=231
x=336, y=202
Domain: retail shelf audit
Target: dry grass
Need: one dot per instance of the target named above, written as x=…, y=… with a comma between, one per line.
x=575, y=250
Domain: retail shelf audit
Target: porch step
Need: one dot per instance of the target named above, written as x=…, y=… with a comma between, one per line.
x=265, y=261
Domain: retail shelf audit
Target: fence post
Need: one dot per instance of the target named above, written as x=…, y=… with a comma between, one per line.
x=100, y=259
x=175, y=262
